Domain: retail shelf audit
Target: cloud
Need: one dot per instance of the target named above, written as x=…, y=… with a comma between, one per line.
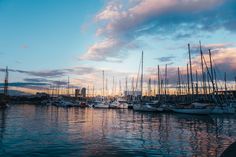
x=165, y=59
x=23, y=84
x=224, y=60
x=35, y=80
x=54, y=73
x=79, y=77
x=47, y=73
x=122, y=22
x=103, y=50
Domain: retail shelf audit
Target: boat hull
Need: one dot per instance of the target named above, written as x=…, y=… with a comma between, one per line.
x=144, y=108
x=193, y=111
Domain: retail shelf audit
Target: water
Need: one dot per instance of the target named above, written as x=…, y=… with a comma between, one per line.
x=30, y=130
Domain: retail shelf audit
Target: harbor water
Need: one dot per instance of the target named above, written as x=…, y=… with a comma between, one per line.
x=33, y=130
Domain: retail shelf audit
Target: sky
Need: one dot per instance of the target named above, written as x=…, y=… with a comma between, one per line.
x=43, y=42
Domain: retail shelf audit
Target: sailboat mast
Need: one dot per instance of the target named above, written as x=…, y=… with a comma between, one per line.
x=106, y=93
x=149, y=87
x=103, y=83
x=126, y=85
x=68, y=86
x=93, y=91
x=215, y=80
x=87, y=94
x=235, y=82
x=196, y=83
x=225, y=82
x=191, y=73
x=165, y=81
x=133, y=86
x=179, y=90
x=142, y=76
x=159, y=81
x=188, y=79
x=203, y=73
x=212, y=75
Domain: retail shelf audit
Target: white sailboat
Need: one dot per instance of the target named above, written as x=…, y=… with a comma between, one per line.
x=143, y=106
x=102, y=104
x=120, y=103
x=194, y=107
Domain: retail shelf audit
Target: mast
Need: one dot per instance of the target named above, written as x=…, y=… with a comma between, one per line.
x=235, y=82
x=188, y=79
x=212, y=75
x=103, y=83
x=159, y=81
x=179, y=84
x=165, y=81
x=225, y=82
x=149, y=87
x=215, y=80
x=196, y=83
x=142, y=76
x=154, y=88
x=6, y=83
x=133, y=86
x=52, y=90
x=203, y=73
x=191, y=73
x=93, y=91
x=87, y=94
x=208, y=84
x=68, y=86
x=106, y=93
x=126, y=86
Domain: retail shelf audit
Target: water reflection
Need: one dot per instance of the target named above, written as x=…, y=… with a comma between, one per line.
x=29, y=130
x=2, y=123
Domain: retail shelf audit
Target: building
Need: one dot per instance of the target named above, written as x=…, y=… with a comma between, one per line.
x=77, y=93
x=83, y=92
x=80, y=93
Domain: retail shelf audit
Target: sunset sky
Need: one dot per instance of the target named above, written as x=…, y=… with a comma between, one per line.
x=45, y=41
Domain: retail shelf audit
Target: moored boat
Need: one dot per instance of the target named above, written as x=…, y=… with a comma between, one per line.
x=193, y=108
x=119, y=104
x=102, y=104
x=145, y=107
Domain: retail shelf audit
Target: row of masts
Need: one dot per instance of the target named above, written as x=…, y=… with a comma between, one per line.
x=208, y=81
x=207, y=84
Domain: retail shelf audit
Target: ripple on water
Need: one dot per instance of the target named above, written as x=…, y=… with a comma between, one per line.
x=29, y=130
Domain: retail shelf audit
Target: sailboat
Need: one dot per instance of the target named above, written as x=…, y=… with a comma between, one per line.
x=103, y=104
x=119, y=103
x=193, y=107
x=141, y=105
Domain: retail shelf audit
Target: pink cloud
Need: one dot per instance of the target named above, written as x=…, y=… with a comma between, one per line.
x=121, y=19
